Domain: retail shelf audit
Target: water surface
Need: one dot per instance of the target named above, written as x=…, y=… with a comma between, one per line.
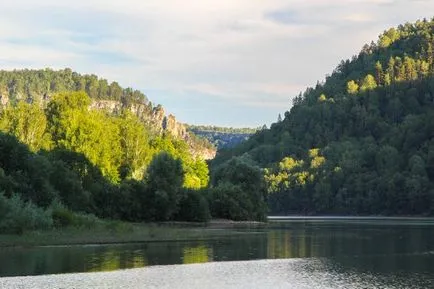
x=310, y=253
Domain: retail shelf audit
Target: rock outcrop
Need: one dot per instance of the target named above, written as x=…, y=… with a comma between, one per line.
x=156, y=118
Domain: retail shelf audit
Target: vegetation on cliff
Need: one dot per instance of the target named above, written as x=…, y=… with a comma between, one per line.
x=39, y=86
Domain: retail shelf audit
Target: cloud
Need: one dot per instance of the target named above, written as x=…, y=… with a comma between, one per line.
x=358, y=17
x=282, y=16
x=252, y=54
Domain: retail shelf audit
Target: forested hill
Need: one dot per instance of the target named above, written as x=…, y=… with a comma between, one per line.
x=38, y=86
x=222, y=137
x=361, y=142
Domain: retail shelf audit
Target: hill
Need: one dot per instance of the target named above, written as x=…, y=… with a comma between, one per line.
x=222, y=137
x=38, y=86
x=362, y=141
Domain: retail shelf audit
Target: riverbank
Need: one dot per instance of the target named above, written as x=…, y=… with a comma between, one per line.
x=120, y=232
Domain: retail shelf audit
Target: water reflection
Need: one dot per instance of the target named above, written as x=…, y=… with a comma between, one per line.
x=198, y=254
x=385, y=249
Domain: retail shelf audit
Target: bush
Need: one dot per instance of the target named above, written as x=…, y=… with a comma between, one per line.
x=193, y=207
x=229, y=201
x=17, y=216
x=238, y=191
x=63, y=217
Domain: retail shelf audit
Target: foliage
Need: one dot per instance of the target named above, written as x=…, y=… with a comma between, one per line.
x=28, y=123
x=373, y=133
x=165, y=177
x=63, y=217
x=193, y=207
x=238, y=191
x=134, y=143
x=17, y=216
x=23, y=172
x=110, y=166
x=38, y=85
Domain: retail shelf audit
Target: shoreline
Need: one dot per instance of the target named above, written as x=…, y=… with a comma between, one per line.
x=130, y=233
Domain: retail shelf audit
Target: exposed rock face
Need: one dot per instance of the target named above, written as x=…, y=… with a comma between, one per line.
x=4, y=97
x=109, y=105
x=157, y=118
x=177, y=129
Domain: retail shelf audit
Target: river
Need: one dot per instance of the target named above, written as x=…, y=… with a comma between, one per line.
x=290, y=253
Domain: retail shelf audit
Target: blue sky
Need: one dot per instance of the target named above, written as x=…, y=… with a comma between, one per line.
x=228, y=62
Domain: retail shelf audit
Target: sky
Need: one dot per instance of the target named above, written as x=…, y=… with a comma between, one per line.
x=234, y=63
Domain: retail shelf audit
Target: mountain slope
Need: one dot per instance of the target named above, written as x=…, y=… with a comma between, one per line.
x=362, y=142
x=38, y=86
x=222, y=137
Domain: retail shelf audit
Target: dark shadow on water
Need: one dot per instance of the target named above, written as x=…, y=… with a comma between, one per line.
x=359, y=246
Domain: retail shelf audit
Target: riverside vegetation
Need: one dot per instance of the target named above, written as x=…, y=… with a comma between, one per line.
x=64, y=163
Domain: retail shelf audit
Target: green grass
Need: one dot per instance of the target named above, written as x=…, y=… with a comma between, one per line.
x=109, y=232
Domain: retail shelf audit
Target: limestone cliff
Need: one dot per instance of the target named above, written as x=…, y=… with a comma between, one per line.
x=156, y=118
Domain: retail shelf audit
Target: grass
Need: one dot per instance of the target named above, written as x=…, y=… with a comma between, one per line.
x=110, y=232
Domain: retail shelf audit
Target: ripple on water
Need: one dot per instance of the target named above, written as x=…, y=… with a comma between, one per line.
x=292, y=273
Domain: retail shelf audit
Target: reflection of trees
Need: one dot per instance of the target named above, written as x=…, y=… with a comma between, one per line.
x=243, y=247
x=380, y=248
x=108, y=261
x=355, y=246
x=296, y=243
x=114, y=259
x=137, y=261
x=198, y=254
x=279, y=244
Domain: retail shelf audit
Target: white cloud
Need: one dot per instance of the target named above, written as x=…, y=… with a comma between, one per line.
x=251, y=52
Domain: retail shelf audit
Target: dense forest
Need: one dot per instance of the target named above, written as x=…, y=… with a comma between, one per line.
x=65, y=162
x=362, y=141
x=222, y=137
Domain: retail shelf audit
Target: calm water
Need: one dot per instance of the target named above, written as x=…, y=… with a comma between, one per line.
x=314, y=253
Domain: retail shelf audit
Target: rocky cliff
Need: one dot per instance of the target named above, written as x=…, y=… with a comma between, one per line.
x=160, y=122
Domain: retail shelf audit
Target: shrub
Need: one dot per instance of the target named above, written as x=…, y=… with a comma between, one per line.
x=17, y=216
x=63, y=217
x=193, y=207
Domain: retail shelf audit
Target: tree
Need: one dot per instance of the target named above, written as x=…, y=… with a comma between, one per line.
x=238, y=191
x=193, y=207
x=134, y=143
x=352, y=87
x=379, y=73
x=279, y=118
x=322, y=98
x=368, y=83
x=165, y=177
x=28, y=123
x=74, y=127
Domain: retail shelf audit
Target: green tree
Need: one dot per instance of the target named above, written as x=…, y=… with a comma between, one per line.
x=134, y=143
x=352, y=87
x=28, y=123
x=74, y=127
x=368, y=83
x=238, y=191
x=165, y=177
